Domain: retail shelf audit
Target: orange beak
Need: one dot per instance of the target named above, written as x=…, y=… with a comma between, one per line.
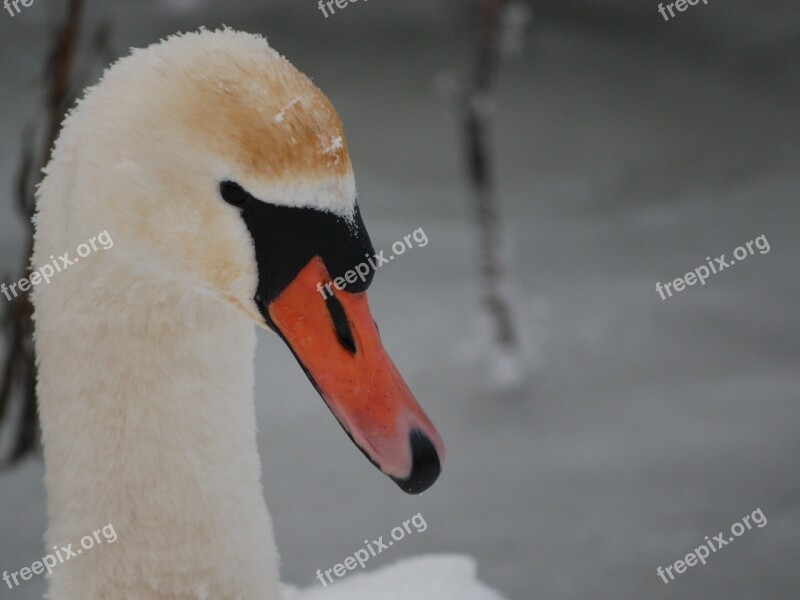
x=338, y=345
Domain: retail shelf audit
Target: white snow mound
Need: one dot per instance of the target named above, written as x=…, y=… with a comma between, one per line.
x=439, y=577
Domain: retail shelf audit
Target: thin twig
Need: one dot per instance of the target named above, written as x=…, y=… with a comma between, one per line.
x=19, y=367
x=477, y=106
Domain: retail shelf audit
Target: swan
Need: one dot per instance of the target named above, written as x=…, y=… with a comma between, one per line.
x=222, y=176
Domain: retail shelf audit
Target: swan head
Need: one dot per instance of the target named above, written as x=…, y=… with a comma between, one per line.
x=220, y=167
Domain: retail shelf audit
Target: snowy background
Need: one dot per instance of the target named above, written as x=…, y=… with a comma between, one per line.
x=629, y=149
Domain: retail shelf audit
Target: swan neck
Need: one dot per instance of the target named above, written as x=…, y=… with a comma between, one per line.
x=149, y=426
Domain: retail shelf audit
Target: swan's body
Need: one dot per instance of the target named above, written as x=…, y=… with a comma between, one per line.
x=145, y=360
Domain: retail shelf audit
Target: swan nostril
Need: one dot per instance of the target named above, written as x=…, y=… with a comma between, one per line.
x=341, y=323
x=425, y=464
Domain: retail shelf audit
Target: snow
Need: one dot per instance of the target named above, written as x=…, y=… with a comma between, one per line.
x=281, y=116
x=507, y=370
x=516, y=19
x=422, y=578
x=335, y=144
x=625, y=159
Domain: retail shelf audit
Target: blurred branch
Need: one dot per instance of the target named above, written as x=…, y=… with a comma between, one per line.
x=498, y=32
x=18, y=373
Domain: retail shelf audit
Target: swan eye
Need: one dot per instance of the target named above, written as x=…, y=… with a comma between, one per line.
x=233, y=193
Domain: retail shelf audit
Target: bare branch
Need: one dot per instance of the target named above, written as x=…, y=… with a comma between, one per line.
x=478, y=109
x=18, y=373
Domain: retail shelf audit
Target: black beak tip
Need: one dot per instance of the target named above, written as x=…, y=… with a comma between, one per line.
x=426, y=466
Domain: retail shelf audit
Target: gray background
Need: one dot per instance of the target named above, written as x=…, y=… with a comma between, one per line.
x=629, y=149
